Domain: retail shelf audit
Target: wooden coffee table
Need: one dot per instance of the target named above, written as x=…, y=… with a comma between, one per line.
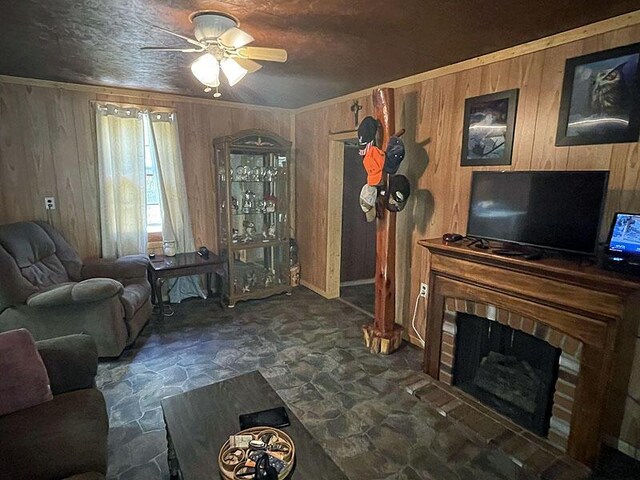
x=200, y=421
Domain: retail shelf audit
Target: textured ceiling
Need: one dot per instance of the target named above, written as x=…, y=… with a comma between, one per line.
x=335, y=46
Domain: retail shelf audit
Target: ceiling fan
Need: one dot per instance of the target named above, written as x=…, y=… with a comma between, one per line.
x=224, y=47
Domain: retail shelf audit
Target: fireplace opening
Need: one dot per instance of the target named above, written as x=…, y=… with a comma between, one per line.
x=506, y=369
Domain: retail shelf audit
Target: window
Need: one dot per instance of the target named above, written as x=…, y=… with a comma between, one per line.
x=154, y=213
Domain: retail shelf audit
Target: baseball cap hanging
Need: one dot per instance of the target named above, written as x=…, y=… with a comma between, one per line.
x=394, y=155
x=373, y=163
x=367, y=134
x=368, y=196
x=398, y=193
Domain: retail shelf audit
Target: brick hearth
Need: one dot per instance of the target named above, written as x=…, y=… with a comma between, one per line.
x=569, y=364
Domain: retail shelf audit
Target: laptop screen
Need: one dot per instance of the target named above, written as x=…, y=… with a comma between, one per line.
x=625, y=234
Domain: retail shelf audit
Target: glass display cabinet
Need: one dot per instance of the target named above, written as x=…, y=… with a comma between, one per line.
x=252, y=170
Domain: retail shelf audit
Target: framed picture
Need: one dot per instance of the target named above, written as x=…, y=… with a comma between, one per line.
x=599, y=102
x=487, y=135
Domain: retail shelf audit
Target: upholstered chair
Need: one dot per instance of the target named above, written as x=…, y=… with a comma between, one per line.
x=46, y=288
x=64, y=436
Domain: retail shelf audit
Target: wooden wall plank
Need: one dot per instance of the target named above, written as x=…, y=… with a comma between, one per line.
x=312, y=153
x=48, y=147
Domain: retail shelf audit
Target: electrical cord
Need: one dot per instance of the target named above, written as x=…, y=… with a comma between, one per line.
x=413, y=320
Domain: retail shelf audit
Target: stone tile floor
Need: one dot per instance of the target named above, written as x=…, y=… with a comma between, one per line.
x=362, y=296
x=310, y=350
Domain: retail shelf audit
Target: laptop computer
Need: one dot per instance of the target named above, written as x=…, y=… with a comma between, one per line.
x=624, y=235
x=622, y=250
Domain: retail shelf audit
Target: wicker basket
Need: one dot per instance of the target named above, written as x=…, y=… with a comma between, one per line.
x=232, y=460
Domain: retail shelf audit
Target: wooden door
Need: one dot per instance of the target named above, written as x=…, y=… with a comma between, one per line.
x=358, y=259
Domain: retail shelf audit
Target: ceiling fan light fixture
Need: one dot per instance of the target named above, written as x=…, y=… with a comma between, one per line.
x=209, y=24
x=207, y=70
x=232, y=70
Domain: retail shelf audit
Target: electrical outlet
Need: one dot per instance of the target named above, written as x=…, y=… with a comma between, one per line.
x=50, y=203
x=424, y=288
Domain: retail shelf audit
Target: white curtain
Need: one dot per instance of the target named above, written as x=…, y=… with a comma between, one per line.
x=123, y=212
x=164, y=140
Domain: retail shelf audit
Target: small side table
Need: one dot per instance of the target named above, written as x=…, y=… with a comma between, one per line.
x=183, y=264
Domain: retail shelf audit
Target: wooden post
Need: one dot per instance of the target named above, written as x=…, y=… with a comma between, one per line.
x=384, y=336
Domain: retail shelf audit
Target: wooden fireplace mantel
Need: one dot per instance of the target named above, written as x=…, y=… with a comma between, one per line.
x=596, y=307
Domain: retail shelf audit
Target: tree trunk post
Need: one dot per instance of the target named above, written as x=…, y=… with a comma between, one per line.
x=384, y=336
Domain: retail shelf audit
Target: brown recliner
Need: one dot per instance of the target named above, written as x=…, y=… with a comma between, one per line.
x=45, y=288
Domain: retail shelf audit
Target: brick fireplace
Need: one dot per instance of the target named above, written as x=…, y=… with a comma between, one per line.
x=568, y=367
x=588, y=314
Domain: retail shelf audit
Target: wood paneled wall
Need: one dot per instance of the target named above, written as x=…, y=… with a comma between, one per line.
x=47, y=148
x=431, y=111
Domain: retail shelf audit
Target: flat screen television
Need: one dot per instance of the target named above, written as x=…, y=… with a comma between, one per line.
x=559, y=210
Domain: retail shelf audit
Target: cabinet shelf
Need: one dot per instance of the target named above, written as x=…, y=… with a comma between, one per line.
x=235, y=246
x=254, y=181
x=240, y=214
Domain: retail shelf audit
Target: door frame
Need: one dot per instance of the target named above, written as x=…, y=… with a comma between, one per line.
x=334, y=211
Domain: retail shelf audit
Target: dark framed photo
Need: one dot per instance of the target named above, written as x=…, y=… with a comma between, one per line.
x=487, y=135
x=599, y=102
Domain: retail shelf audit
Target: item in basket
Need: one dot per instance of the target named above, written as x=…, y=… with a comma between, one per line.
x=244, y=471
x=257, y=445
x=233, y=457
x=264, y=469
x=278, y=455
x=240, y=441
x=277, y=463
x=278, y=448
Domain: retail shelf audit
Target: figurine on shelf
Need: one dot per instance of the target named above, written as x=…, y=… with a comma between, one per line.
x=248, y=202
x=236, y=237
x=262, y=205
x=268, y=232
x=268, y=279
x=270, y=174
x=270, y=203
x=249, y=231
x=242, y=173
x=257, y=173
x=234, y=204
x=251, y=279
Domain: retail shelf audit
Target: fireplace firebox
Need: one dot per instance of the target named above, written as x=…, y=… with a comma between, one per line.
x=506, y=369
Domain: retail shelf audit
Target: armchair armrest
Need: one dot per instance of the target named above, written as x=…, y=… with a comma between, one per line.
x=127, y=267
x=71, y=362
x=91, y=290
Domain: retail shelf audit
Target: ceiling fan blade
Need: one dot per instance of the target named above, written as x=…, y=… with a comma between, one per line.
x=236, y=38
x=190, y=40
x=165, y=49
x=263, y=53
x=249, y=65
